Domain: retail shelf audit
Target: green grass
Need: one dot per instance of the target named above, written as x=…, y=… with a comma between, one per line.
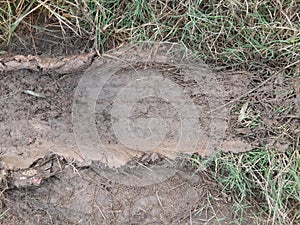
x=261, y=37
x=230, y=34
x=264, y=178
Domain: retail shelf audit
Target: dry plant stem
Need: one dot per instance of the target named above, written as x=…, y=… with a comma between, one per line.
x=257, y=87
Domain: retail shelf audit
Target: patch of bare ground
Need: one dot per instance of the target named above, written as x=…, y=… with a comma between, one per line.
x=36, y=101
x=54, y=191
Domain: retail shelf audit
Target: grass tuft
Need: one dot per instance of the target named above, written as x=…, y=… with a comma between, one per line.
x=265, y=177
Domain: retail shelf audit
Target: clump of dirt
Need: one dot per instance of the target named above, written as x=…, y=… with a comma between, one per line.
x=61, y=65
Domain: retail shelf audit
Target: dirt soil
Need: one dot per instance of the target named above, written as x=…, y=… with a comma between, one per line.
x=43, y=107
x=69, y=194
x=47, y=179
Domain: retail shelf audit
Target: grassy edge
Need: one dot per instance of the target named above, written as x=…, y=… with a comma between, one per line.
x=266, y=177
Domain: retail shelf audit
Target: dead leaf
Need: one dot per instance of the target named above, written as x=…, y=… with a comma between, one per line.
x=243, y=112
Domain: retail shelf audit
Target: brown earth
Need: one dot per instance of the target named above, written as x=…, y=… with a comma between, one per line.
x=63, y=193
x=46, y=179
x=37, y=101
